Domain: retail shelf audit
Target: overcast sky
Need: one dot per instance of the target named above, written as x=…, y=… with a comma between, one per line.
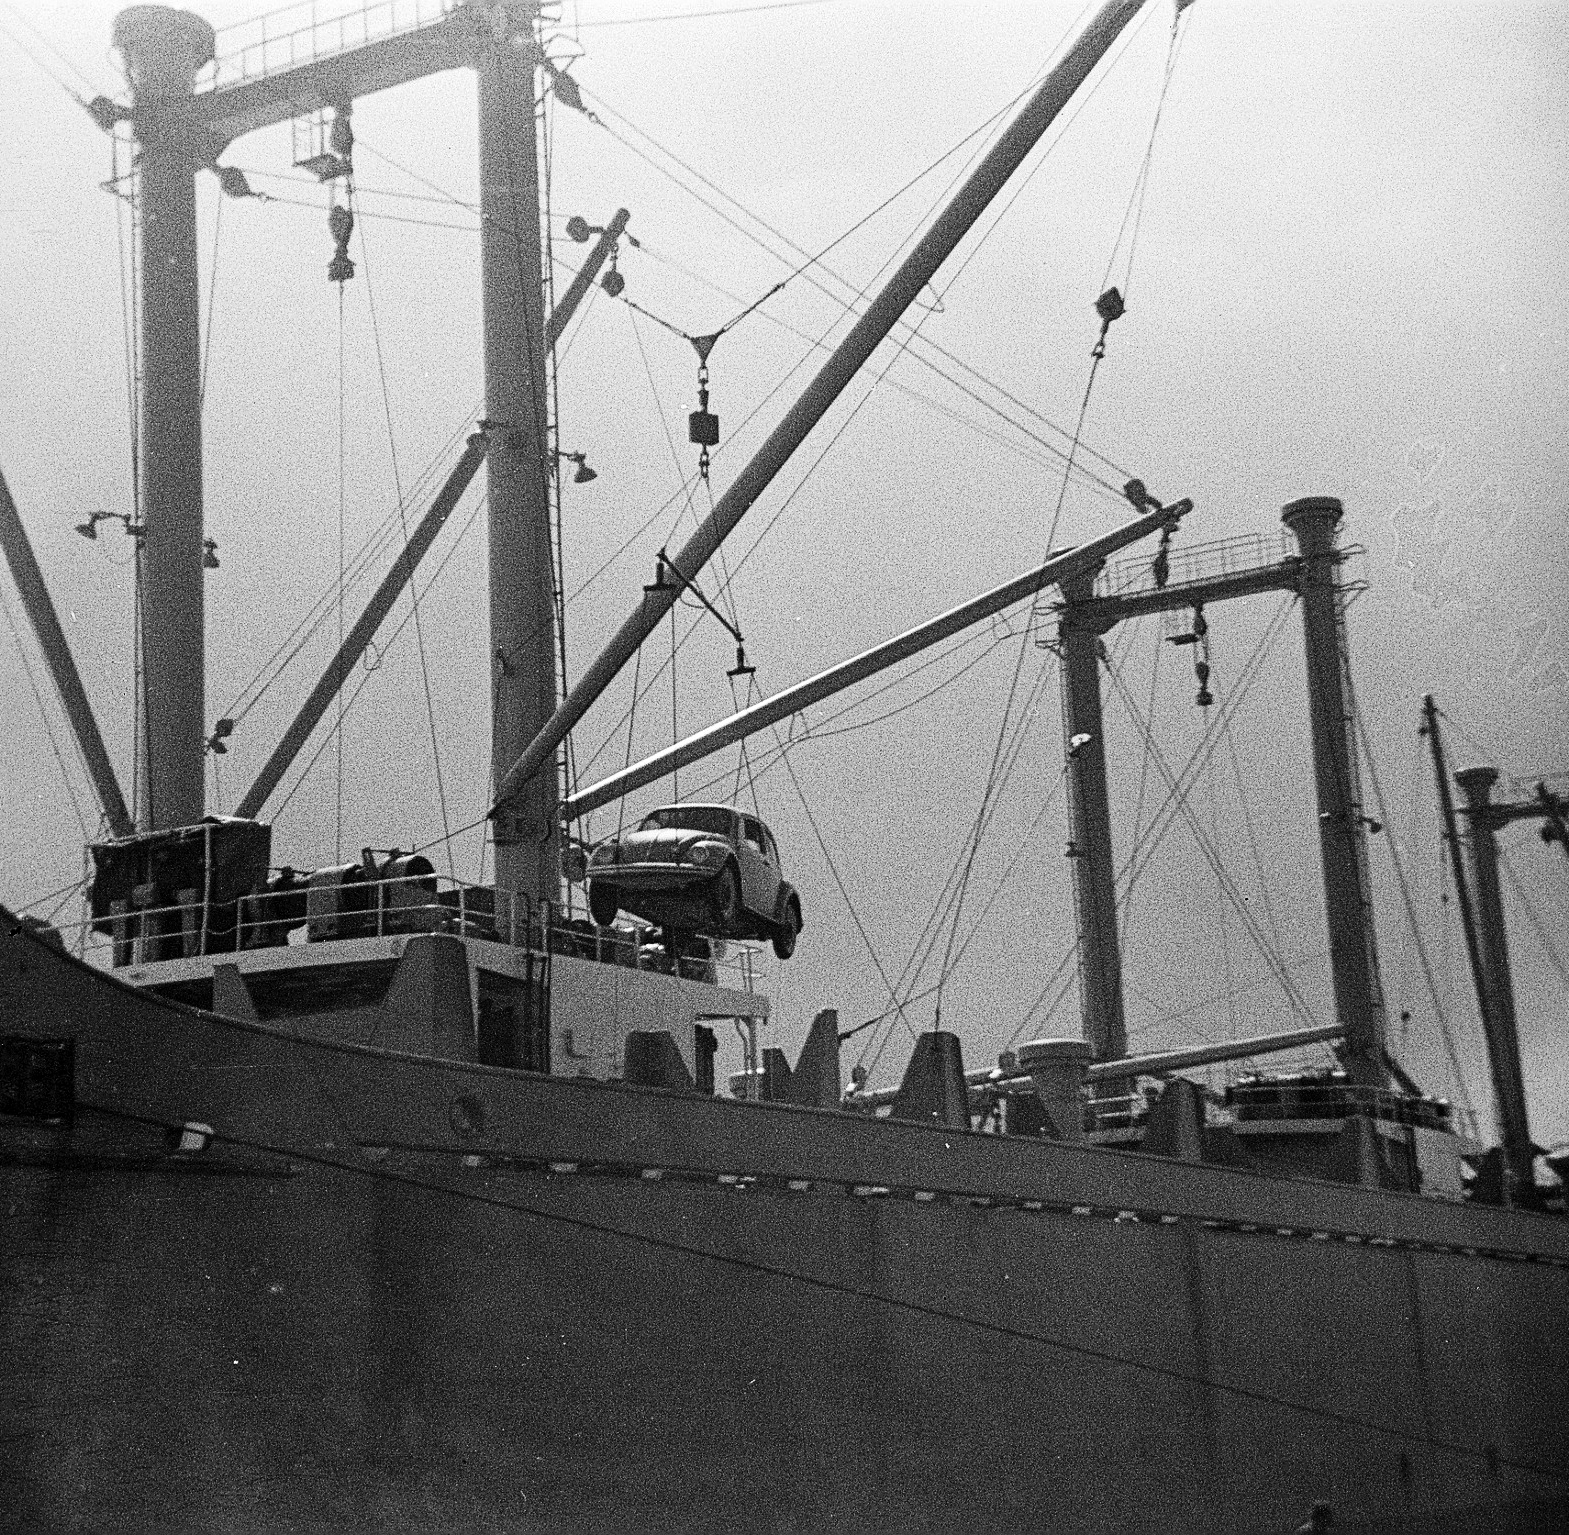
x=1347, y=280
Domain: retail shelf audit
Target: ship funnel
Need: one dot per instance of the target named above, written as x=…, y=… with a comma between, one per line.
x=164, y=49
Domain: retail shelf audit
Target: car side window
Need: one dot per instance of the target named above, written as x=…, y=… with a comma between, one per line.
x=754, y=834
x=770, y=848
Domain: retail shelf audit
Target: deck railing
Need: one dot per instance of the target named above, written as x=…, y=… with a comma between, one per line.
x=380, y=908
x=299, y=34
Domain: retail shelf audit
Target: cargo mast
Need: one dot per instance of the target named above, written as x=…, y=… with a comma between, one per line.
x=1353, y=949
x=179, y=130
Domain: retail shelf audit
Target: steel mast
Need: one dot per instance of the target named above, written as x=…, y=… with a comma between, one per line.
x=164, y=50
x=179, y=130
x=522, y=590
x=1353, y=947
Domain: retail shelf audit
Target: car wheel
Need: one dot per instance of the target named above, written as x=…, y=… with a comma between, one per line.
x=787, y=931
x=724, y=899
x=603, y=903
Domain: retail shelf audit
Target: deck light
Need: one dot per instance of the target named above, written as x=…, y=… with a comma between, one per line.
x=582, y=475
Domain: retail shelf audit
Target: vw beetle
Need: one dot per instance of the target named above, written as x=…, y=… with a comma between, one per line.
x=704, y=868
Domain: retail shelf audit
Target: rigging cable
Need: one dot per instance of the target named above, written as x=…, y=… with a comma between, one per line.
x=554, y=356
x=1135, y=208
x=1404, y=886
x=1111, y=492
x=1144, y=774
x=54, y=895
x=675, y=726
x=1140, y=855
x=1247, y=821
x=839, y=883
x=947, y=905
x=39, y=64
x=1110, y=307
x=129, y=205
x=800, y=484
x=342, y=494
x=366, y=676
x=1535, y=918
x=403, y=529
x=43, y=714
x=1212, y=773
x=305, y=629
x=631, y=719
x=858, y=292
x=212, y=292
x=734, y=10
x=1212, y=856
x=1096, y=356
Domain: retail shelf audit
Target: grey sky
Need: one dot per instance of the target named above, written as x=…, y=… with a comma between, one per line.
x=1347, y=281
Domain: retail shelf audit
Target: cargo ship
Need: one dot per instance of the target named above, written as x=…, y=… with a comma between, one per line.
x=361, y=1197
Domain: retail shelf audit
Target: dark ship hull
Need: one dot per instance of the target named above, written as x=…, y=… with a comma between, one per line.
x=380, y=1291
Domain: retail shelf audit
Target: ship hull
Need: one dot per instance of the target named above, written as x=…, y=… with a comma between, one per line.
x=386, y=1292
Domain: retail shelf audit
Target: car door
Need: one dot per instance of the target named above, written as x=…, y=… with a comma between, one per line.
x=758, y=878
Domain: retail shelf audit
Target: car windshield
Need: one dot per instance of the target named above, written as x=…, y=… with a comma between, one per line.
x=710, y=818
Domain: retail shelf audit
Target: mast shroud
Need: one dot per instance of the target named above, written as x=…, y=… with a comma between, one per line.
x=1005, y=157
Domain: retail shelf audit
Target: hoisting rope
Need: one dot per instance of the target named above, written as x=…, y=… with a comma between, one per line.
x=675, y=718
x=1110, y=308
x=403, y=531
x=945, y=909
x=1211, y=854
x=130, y=290
x=1138, y=804
x=367, y=675
x=212, y=293
x=1149, y=842
x=1135, y=208
x=631, y=719
x=306, y=628
x=340, y=706
x=1247, y=821
x=1211, y=774
x=844, y=893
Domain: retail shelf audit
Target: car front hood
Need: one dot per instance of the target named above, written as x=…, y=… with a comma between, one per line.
x=654, y=847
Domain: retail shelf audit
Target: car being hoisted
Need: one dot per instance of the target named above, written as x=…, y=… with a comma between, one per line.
x=698, y=868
